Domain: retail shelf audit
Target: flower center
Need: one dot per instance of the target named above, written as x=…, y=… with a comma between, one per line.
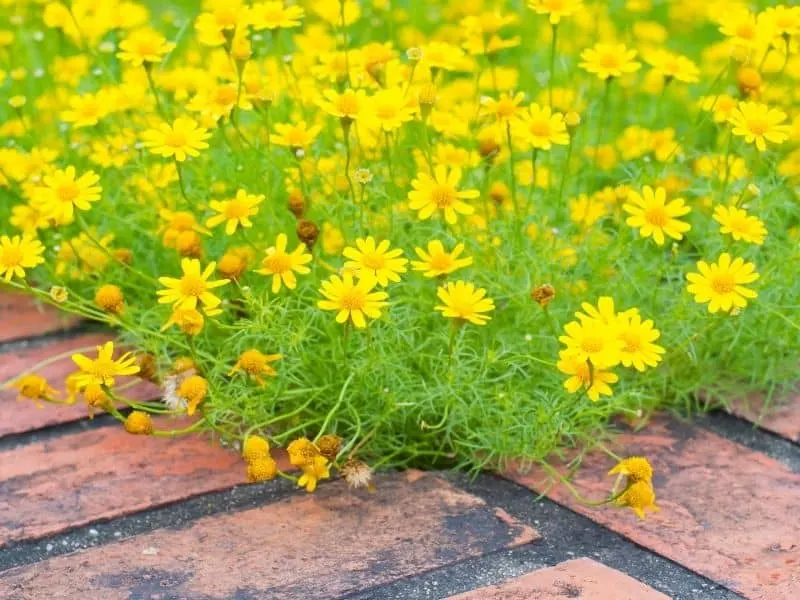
x=192, y=285
x=540, y=129
x=443, y=195
x=373, y=260
x=235, y=210
x=348, y=105
x=278, y=263
x=226, y=96
x=758, y=126
x=632, y=342
x=609, y=61
x=592, y=344
x=353, y=300
x=723, y=283
x=746, y=31
x=103, y=368
x=441, y=262
x=175, y=139
x=67, y=192
x=657, y=216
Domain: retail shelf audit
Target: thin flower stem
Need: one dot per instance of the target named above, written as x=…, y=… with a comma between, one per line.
x=148, y=68
x=551, y=80
x=511, y=174
x=180, y=180
x=336, y=406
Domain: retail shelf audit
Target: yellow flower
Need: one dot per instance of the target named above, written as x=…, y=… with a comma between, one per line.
x=274, y=15
x=180, y=140
x=256, y=364
x=440, y=193
x=110, y=299
x=191, y=287
x=759, y=124
x=389, y=110
x=193, y=389
x=295, y=136
x=313, y=472
x=638, y=349
x=302, y=452
x=86, y=110
x=19, y=253
x=235, y=212
x=437, y=261
x=139, y=423
x=62, y=193
x=722, y=284
x=348, y=105
x=255, y=448
x=673, y=66
x=609, y=60
x=583, y=375
x=595, y=340
x=34, y=387
x=635, y=468
x=505, y=108
x=654, y=216
x=353, y=300
x=540, y=128
x=740, y=225
x=103, y=369
x=189, y=320
x=144, y=46
x=461, y=300
x=283, y=265
x=262, y=469
x=638, y=496
x=375, y=261
x=557, y=9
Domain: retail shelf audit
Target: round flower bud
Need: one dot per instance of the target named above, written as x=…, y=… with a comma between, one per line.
x=139, y=423
x=110, y=299
x=262, y=469
x=255, y=448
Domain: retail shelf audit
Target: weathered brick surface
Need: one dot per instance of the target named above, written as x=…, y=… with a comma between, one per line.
x=781, y=416
x=310, y=546
x=18, y=417
x=21, y=316
x=726, y=512
x=52, y=486
x=581, y=578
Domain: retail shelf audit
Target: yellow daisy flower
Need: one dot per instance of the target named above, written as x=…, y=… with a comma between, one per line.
x=255, y=364
x=180, y=140
x=103, y=369
x=556, y=9
x=62, y=193
x=653, y=216
x=17, y=254
x=540, y=128
x=722, y=284
x=295, y=136
x=192, y=287
x=639, y=496
x=354, y=300
x=274, y=15
x=437, y=261
x=591, y=339
x=144, y=46
x=440, y=193
x=462, y=300
x=583, y=375
x=283, y=265
x=638, y=350
x=375, y=261
x=235, y=212
x=759, y=124
x=609, y=60
x=741, y=226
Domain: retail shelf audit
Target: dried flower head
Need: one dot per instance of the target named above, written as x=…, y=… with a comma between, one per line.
x=329, y=446
x=543, y=294
x=139, y=423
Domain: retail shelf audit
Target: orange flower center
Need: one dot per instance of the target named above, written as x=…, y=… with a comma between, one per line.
x=175, y=139
x=235, y=209
x=592, y=344
x=632, y=342
x=277, y=263
x=67, y=192
x=540, y=128
x=758, y=126
x=443, y=195
x=353, y=299
x=11, y=257
x=192, y=285
x=723, y=283
x=657, y=216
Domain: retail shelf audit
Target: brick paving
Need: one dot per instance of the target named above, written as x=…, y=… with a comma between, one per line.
x=88, y=511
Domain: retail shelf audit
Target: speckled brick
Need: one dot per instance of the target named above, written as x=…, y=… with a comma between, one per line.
x=582, y=578
x=310, y=546
x=25, y=415
x=21, y=316
x=77, y=479
x=726, y=512
x=781, y=416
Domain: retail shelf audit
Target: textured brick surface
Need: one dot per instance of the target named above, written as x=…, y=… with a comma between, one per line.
x=726, y=512
x=21, y=316
x=311, y=546
x=582, y=578
x=49, y=487
x=781, y=416
x=18, y=417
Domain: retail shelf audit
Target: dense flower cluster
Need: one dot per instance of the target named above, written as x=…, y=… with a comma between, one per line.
x=446, y=232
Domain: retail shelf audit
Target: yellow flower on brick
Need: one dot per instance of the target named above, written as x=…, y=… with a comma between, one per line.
x=283, y=265
x=640, y=497
x=103, y=369
x=722, y=284
x=635, y=468
x=314, y=471
x=17, y=254
x=464, y=301
x=192, y=287
x=34, y=387
x=583, y=375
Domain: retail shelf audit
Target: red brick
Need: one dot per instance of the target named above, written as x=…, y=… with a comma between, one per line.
x=52, y=486
x=21, y=416
x=320, y=545
x=581, y=578
x=781, y=416
x=22, y=316
x=726, y=512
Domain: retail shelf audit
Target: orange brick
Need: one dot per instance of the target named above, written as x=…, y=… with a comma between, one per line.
x=320, y=545
x=581, y=578
x=52, y=486
x=727, y=512
x=21, y=316
x=781, y=417
x=19, y=417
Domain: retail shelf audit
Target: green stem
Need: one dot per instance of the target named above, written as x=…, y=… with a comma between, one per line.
x=336, y=406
